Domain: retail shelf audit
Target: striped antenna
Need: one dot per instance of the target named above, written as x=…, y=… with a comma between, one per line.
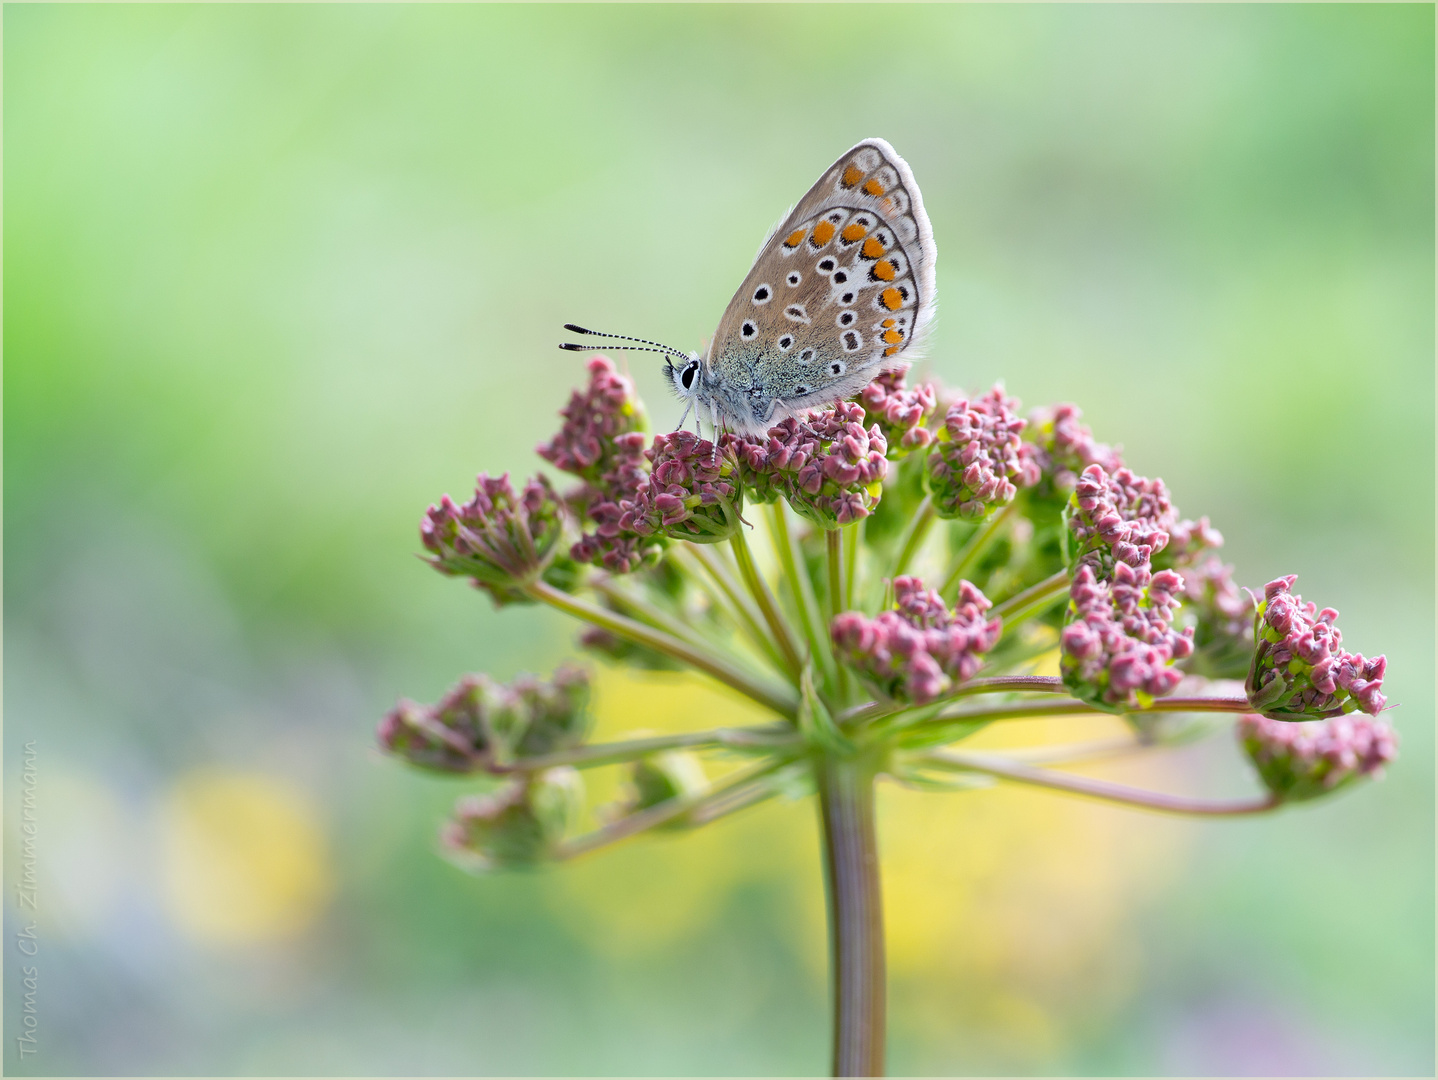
x=659, y=345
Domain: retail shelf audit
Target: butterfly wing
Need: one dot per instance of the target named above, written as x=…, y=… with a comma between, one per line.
x=842, y=289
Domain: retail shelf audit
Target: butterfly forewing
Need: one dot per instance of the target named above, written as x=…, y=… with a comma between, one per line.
x=840, y=290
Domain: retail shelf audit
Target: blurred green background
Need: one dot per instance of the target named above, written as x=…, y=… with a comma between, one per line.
x=276, y=277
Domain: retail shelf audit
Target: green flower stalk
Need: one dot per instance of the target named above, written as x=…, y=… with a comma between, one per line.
x=807, y=608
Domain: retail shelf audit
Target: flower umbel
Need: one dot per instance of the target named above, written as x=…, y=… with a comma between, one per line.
x=855, y=688
x=1119, y=517
x=1300, y=669
x=975, y=463
x=829, y=468
x=1059, y=448
x=516, y=826
x=920, y=649
x=692, y=492
x=499, y=539
x=482, y=724
x=900, y=413
x=1305, y=760
x=1222, y=621
x=602, y=442
x=1119, y=644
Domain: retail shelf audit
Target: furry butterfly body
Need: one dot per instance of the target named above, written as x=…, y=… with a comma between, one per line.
x=842, y=290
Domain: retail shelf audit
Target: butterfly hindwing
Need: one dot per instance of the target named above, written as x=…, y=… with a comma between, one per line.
x=841, y=289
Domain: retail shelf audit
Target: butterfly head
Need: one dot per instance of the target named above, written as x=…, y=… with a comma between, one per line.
x=685, y=377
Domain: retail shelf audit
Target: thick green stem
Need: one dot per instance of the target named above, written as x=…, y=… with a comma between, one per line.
x=802, y=590
x=833, y=553
x=1097, y=789
x=759, y=589
x=784, y=702
x=973, y=550
x=856, y=915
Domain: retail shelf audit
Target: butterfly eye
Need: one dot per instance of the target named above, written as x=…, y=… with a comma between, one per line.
x=686, y=378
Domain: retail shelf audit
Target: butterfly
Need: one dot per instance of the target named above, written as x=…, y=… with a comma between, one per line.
x=842, y=289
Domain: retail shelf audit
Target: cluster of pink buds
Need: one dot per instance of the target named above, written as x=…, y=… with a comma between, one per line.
x=1304, y=760
x=1222, y=619
x=1300, y=669
x=499, y=539
x=918, y=650
x=900, y=413
x=976, y=465
x=602, y=442
x=826, y=464
x=482, y=724
x=1060, y=448
x=517, y=825
x=1119, y=644
x=691, y=493
x=1119, y=517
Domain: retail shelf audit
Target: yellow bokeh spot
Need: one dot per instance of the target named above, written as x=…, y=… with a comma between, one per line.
x=244, y=857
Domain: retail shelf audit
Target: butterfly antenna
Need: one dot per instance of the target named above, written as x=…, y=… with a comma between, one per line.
x=660, y=346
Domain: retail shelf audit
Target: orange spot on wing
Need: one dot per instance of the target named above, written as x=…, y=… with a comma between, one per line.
x=823, y=233
x=891, y=350
x=891, y=299
x=872, y=249
x=888, y=322
x=893, y=337
x=852, y=233
x=873, y=187
x=792, y=240
x=852, y=175
x=884, y=270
